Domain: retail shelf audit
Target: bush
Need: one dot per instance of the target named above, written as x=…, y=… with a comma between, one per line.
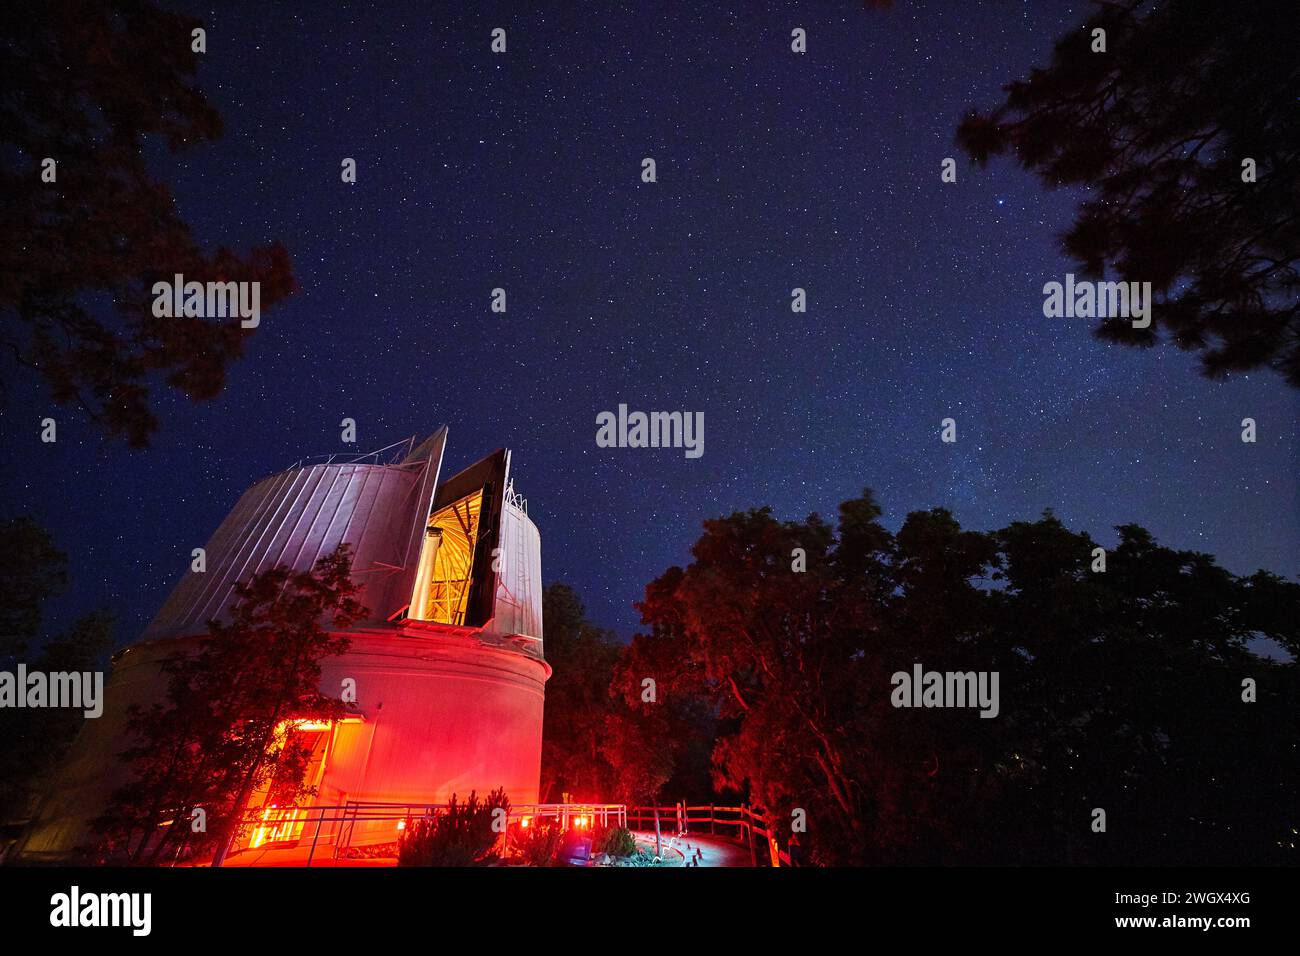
x=462, y=835
x=539, y=844
x=371, y=851
x=616, y=841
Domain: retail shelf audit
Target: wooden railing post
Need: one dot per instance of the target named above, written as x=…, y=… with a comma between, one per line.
x=772, y=845
x=748, y=815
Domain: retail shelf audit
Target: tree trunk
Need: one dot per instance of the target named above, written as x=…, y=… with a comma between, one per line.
x=246, y=785
x=228, y=837
x=241, y=798
x=658, y=847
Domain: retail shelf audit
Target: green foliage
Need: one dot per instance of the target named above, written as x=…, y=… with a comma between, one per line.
x=1156, y=129
x=98, y=87
x=32, y=570
x=601, y=740
x=1119, y=689
x=582, y=657
x=461, y=835
x=539, y=844
x=213, y=741
x=615, y=841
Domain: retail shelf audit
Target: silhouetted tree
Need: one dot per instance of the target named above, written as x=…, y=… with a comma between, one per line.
x=32, y=569
x=33, y=740
x=1157, y=128
x=224, y=729
x=578, y=702
x=660, y=737
x=1119, y=689
x=779, y=662
x=602, y=738
x=90, y=85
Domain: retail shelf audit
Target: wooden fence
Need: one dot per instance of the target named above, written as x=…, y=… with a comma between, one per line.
x=740, y=824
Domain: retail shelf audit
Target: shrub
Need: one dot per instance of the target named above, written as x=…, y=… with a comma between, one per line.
x=539, y=844
x=462, y=835
x=616, y=841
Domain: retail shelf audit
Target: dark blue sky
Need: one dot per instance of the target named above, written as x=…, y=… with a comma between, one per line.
x=775, y=170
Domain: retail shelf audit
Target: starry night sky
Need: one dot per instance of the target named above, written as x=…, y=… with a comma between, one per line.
x=775, y=170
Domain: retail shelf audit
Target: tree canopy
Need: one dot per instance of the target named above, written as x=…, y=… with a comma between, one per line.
x=32, y=570
x=220, y=733
x=1159, y=128
x=602, y=739
x=1120, y=689
x=582, y=658
x=91, y=87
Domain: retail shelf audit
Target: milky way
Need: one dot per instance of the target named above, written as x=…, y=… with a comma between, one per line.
x=775, y=171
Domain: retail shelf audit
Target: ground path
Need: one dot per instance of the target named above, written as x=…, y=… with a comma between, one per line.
x=713, y=850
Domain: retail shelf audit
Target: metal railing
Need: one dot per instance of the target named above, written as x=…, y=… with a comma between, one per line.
x=373, y=822
x=342, y=827
x=396, y=453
